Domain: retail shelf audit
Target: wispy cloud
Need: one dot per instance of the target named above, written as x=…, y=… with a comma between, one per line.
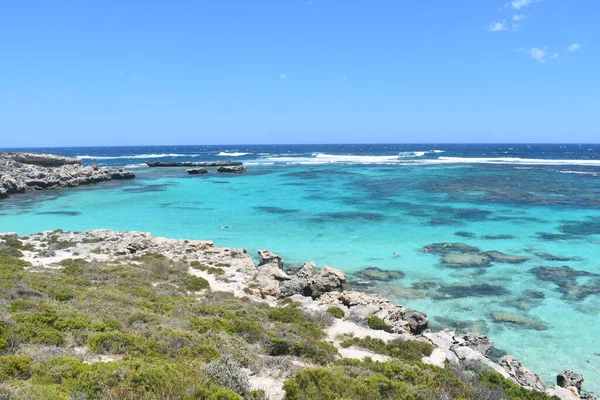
x=518, y=17
x=283, y=76
x=498, y=26
x=574, y=47
x=542, y=55
x=518, y=4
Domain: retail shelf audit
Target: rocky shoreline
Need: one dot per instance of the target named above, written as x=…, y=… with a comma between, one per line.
x=234, y=270
x=26, y=172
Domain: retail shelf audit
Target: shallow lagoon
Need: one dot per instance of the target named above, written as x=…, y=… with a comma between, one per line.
x=357, y=216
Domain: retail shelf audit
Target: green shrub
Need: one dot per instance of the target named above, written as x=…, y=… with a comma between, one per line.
x=58, y=370
x=195, y=283
x=11, y=263
x=378, y=324
x=257, y=395
x=15, y=367
x=73, y=266
x=410, y=350
x=288, y=314
x=35, y=334
x=512, y=391
x=336, y=312
x=279, y=347
x=112, y=342
x=203, y=325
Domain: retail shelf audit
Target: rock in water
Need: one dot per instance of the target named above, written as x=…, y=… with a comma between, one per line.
x=236, y=169
x=504, y=258
x=518, y=319
x=521, y=374
x=465, y=260
x=567, y=378
x=193, y=164
x=196, y=171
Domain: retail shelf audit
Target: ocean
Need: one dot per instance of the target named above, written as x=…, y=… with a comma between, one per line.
x=387, y=206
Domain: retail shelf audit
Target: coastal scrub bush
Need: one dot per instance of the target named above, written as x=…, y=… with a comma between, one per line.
x=112, y=342
x=336, y=312
x=15, y=367
x=195, y=283
x=377, y=323
x=228, y=373
x=73, y=266
x=57, y=370
x=412, y=350
x=512, y=391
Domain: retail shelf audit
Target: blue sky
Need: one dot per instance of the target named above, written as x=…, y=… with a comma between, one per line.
x=298, y=71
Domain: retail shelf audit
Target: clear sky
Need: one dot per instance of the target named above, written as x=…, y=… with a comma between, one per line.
x=298, y=71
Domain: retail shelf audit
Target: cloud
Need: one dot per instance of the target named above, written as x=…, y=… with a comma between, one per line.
x=538, y=54
x=518, y=4
x=542, y=55
x=518, y=17
x=574, y=47
x=498, y=26
x=283, y=76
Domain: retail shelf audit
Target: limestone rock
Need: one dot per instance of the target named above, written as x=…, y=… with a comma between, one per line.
x=521, y=374
x=266, y=257
x=567, y=378
x=196, y=171
x=235, y=169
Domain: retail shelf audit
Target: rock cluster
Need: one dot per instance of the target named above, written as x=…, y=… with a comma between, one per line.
x=270, y=280
x=399, y=318
x=238, y=169
x=196, y=171
x=24, y=172
x=521, y=374
x=460, y=255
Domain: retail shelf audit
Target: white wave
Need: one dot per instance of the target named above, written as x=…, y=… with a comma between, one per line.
x=133, y=166
x=140, y=156
x=331, y=158
x=225, y=154
x=501, y=160
x=580, y=173
x=437, y=151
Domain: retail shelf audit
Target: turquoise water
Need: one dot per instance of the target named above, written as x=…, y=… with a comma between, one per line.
x=351, y=216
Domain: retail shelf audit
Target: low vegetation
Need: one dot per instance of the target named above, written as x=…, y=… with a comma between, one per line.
x=146, y=329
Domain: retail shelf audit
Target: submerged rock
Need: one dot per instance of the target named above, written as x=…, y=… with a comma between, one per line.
x=465, y=260
x=468, y=235
x=498, y=237
x=378, y=274
x=445, y=248
x=504, y=258
x=550, y=257
x=522, y=375
x=477, y=326
x=566, y=279
x=466, y=289
x=193, y=164
x=519, y=319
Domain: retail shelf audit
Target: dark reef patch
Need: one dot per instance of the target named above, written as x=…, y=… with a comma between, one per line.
x=461, y=290
x=461, y=326
x=65, y=213
x=498, y=237
x=552, y=237
x=348, y=216
x=550, y=257
x=147, y=188
x=378, y=274
x=276, y=210
x=500, y=257
x=565, y=278
x=464, y=234
x=581, y=228
x=449, y=247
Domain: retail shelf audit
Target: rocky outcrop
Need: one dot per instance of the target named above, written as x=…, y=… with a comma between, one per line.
x=270, y=280
x=196, y=171
x=25, y=172
x=235, y=169
x=193, y=164
x=400, y=319
x=567, y=378
x=522, y=375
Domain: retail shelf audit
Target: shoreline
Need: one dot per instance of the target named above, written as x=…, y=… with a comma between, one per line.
x=268, y=282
